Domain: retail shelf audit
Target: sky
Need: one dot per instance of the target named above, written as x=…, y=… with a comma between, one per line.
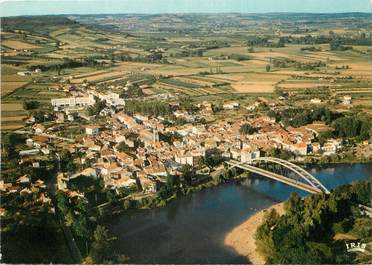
x=44, y=7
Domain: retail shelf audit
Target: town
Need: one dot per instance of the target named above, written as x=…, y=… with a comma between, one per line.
x=103, y=116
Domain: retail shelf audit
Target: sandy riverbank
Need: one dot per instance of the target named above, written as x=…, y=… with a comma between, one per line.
x=241, y=238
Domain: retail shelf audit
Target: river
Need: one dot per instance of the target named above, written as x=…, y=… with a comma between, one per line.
x=191, y=229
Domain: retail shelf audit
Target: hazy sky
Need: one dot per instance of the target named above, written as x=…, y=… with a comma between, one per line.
x=41, y=7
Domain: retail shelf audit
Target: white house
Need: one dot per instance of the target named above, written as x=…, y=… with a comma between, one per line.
x=248, y=154
x=346, y=100
x=331, y=146
x=29, y=152
x=316, y=101
x=230, y=106
x=92, y=130
x=184, y=159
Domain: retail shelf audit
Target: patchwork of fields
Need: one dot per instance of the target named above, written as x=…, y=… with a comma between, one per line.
x=185, y=59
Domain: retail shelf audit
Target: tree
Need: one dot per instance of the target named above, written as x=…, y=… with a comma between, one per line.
x=187, y=173
x=268, y=67
x=247, y=129
x=101, y=244
x=123, y=147
x=62, y=201
x=305, y=233
x=97, y=107
x=213, y=157
x=67, y=161
x=216, y=108
x=32, y=104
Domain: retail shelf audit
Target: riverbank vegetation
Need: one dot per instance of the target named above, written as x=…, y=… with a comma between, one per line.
x=314, y=230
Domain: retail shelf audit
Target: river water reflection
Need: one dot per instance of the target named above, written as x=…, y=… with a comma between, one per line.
x=192, y=228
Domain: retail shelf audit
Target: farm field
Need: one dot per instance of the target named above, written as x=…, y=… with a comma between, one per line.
x=17, y=45
x=12, y=116
x=241, y=59
x=7, y=87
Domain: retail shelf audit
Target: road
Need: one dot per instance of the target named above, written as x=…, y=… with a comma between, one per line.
x=51, y=136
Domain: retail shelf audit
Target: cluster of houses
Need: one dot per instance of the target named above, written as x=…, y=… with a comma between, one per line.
x=146, y=159
x=140, y=151
x=25, y=187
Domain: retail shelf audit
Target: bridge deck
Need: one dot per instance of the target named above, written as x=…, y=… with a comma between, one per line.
x=275, y=176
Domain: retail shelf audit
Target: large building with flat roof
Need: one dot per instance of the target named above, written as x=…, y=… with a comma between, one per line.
x=73, y=101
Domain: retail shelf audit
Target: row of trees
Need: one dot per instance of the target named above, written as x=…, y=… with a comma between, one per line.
x=93, y=238
x=262, y=41
x=305, y=233
x=285, y=62
x=297, y=117
x=353, y=126
x=147, y=107
x=331, y=39
x=66, y=63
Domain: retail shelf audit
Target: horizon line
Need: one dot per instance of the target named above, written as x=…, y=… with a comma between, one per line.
x=195, y=13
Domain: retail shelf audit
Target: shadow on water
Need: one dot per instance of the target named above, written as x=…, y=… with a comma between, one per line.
x=192, y=228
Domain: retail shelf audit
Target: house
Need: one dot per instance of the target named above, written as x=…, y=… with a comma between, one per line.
x=230, y=106
x=156, y=170
x=315, y=147
x=24, y=73
x=299, y=148
x=127, y=120
x=40, y=141
x=29, y=142
x=140, y=117
x=29, y=152
x=92, y=146
x=124, y=159
x=206, y=106
x=38, y=128
x=92, y=130
x=210, y=143
x=45, y=151
x=60, y=117
x=148, y=185
x=119, y=179
x=25, y=191
x=346, y=100
x=39, y=184
x=149, y=137
x=179, y=114
x=331, y=146
x=235, y=153
x=23, y=179
x=248, y=154
x=88, y=172
x=70, y=117
x=315, y=101
x=184, y=159
x=30, y=120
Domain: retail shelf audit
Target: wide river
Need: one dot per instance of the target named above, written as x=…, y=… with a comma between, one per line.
x=191, y=229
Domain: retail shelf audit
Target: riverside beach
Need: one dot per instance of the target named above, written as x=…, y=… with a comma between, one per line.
x=242, y=237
